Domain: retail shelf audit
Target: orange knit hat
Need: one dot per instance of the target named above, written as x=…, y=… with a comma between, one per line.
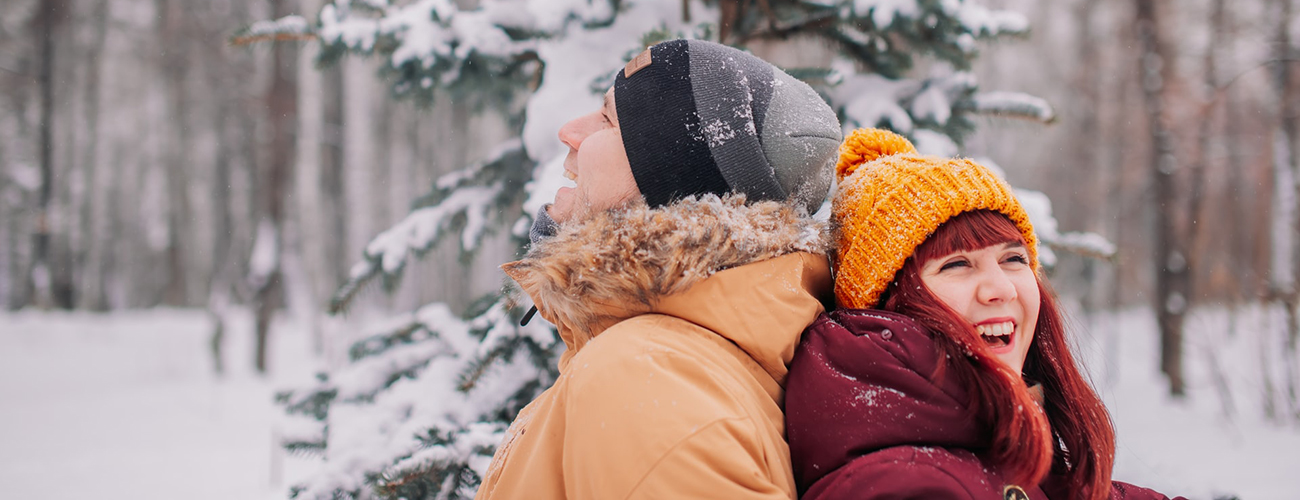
x=890, y=199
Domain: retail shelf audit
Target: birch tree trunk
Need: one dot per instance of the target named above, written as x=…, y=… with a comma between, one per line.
x=1287, y=141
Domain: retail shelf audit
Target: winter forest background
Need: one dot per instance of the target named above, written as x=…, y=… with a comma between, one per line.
x=188, y=190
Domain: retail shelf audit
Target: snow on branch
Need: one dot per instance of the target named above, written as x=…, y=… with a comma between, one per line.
x=424, y=419
x=883, y=12
x=500, y=154
x=884, y=31
x=1087, y=244
x=915, y=107
x=870, y=100
x=301, y=435
x=1014, y=105
x=387, y=254
x=463, y=201
x=983, y=21
x=1039, y=208
x=422, y=227
x=287, y=28
x=430, y=44
x=471, y=446
x=423, y=31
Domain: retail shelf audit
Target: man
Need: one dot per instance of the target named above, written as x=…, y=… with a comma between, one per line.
x=680, y=269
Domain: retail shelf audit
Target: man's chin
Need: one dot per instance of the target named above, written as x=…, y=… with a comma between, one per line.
x=561, y=210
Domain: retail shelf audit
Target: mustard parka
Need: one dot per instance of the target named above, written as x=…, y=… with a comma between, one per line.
x=680, y=323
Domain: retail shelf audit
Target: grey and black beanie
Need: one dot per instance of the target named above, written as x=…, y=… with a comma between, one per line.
x=699, y=117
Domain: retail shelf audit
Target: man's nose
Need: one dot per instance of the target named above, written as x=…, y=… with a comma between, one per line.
x=576, y=130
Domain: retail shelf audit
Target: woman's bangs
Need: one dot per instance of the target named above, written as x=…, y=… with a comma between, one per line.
x=969, y=231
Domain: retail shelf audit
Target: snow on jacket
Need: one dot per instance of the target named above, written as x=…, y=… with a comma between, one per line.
x=866, y=421
x=680, y=323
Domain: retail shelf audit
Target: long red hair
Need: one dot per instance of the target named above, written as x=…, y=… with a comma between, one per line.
x=1072, y=436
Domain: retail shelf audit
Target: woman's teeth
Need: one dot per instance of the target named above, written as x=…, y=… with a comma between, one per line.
x=997, y=333
x=570, y=175
x=996, y=329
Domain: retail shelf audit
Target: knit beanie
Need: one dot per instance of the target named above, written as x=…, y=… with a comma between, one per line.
x=891, y=199
x=699, y=117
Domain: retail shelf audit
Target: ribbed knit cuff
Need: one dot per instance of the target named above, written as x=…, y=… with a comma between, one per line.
x=543, y=226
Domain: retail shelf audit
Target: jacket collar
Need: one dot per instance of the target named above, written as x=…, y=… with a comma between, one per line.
x=712, y=261
x=864, y=380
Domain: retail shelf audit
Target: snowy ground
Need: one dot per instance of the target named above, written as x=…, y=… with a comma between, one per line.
x=125, y=406
x=1218, y=443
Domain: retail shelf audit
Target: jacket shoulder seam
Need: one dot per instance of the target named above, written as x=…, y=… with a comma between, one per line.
x=674, y=449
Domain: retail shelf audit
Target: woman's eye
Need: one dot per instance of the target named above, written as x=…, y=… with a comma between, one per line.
x=953, y=265
x=1019, y=259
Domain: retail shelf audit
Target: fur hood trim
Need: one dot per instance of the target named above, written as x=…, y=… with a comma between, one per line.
x=622, y=263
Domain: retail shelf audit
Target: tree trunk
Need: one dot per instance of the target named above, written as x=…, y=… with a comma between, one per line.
x=308, y=276
x=223, y=268
x=359, y=138
x=175, y=61
x=1172, y=276
x=1089, y=145
x=1288, y=144
x=49, y=19
x=1200, y=165
x=18, y=89
x=281, y=104
x=93, y=294
x=1245, y=238
x=334, y=176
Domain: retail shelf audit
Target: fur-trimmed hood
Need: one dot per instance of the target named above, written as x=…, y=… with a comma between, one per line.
x=638, y=260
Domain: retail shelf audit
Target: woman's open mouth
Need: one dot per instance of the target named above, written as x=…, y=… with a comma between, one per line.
x=997, y=334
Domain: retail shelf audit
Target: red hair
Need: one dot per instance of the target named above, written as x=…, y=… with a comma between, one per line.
x=1072, y=436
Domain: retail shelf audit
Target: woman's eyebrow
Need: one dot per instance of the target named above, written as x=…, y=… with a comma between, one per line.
x=1013, y=244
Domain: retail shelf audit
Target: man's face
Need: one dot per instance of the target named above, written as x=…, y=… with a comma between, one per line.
x=597, y=163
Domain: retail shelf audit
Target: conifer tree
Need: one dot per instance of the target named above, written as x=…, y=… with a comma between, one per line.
x=427, y=396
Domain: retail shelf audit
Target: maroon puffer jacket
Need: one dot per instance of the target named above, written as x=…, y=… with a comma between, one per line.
x=864, y=419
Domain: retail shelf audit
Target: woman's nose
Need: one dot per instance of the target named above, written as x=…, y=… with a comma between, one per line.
x=995, y=287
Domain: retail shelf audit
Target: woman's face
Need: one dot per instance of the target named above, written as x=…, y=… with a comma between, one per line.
x=993, y=288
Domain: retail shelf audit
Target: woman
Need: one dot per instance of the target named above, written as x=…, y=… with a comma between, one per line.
x=946, y=372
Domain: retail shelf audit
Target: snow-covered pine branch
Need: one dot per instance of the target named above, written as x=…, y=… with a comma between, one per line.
x=392, y=418
x=287, y=28
x=885, y=34
x=1012, y=105
x=488, y=51
x=943, y=102
x=1039, y=208
x=465, y=200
